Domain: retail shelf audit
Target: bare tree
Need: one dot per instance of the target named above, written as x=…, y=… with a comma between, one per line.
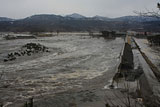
x=150, y=13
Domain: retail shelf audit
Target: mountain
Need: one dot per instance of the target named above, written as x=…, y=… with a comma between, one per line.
x=76, y=16
x=101, y=18
x=5, y=19
x=136, y=19
x=43, y=17
x=76, y=22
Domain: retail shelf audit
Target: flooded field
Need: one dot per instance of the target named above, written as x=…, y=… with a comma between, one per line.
x=73, y=72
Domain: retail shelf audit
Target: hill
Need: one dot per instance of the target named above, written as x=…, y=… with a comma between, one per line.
x=5, y=19
x=76, y=22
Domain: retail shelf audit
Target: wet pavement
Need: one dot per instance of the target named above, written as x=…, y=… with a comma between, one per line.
x=152, y=52
x=149, y=81
x=74, y=72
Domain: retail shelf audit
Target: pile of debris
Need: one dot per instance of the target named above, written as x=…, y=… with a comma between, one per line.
x=28, y=49
x=34, y=48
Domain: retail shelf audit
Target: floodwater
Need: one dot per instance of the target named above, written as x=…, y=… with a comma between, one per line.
x=74, y=59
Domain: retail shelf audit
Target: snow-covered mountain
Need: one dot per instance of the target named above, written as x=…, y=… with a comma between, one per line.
x=5, y=19
x=77, y=22
x=127, y=19
x=76, y=16
x=101, y=18
x=136, y=19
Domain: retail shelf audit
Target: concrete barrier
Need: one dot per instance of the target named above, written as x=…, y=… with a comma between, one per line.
x=149, y=84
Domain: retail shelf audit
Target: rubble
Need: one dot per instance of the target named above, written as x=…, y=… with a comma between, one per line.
x=28, y=49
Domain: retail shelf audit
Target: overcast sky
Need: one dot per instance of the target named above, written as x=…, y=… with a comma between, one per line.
x=108, y=8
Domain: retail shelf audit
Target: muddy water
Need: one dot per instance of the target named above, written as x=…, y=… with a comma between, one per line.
x=73, y=59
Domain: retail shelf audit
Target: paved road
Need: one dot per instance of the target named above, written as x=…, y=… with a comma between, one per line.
x=150, y=87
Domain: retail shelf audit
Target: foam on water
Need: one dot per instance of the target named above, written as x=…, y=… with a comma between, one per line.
x=73, y=59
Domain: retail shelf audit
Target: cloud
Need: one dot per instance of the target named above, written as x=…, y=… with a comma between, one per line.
x=110, y=8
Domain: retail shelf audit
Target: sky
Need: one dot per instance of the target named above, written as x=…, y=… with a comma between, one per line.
x=109, y=8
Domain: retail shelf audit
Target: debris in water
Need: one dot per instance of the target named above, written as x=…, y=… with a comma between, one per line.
x=28, y=49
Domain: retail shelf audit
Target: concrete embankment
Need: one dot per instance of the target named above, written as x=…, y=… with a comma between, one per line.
x=135, y=67
x=125, y=80
x=149, y=84
x=126, y=60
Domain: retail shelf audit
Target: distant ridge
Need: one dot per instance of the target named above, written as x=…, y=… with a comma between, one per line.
x=101, y=18
x=77, y=22
x=136, y=19
x=5, y=19
x=76, y=16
